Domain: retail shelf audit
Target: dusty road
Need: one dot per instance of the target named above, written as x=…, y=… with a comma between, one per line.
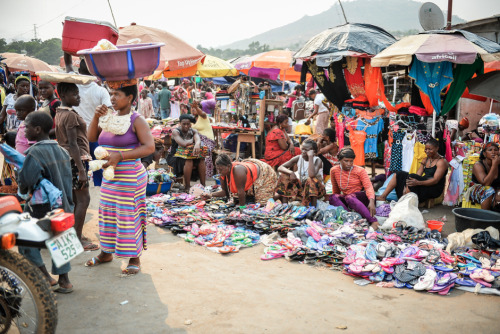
x=186, y=288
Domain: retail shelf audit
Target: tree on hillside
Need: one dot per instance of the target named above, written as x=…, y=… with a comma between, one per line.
x=49, y=50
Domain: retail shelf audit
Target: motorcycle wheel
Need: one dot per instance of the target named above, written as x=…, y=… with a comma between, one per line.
x=31, y=304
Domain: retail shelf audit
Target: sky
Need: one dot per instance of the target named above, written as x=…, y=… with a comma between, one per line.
x=206, y=22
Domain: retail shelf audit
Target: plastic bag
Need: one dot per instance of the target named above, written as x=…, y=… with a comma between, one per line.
x=103, y=45
x=406, y=209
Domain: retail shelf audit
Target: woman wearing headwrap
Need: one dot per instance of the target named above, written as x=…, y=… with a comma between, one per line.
x=8, y=113
x=352, y=188
x=486, y=177
x=122, y=208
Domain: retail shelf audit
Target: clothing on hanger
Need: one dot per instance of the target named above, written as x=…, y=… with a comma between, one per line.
x=408, y=149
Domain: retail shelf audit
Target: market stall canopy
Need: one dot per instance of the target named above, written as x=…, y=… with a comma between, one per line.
x=215, y=67
x=456, y=46
x=176, y=54
x=20, y=62
x=486, y=85
x=352, y=39
x=268, y=65
x=210, y=68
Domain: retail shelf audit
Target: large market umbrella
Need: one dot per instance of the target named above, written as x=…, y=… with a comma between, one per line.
x=351, y=39
x=211, y=67
x=214, y=67
x=456, y=46
x=269, y=65
x=176, y=54
x=486, y=85
x=20, y=62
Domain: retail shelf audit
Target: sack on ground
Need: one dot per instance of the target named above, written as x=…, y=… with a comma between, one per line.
x=406, y=209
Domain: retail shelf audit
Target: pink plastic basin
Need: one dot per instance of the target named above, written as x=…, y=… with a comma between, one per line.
x=127, y=62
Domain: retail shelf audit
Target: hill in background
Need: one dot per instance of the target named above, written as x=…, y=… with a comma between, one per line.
x=400, y=17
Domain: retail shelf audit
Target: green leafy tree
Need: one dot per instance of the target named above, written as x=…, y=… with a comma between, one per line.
x=49, y=50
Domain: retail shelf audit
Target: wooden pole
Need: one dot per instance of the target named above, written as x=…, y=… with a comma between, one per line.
x=450, y=10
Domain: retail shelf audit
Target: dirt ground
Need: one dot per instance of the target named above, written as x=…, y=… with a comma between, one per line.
x=184, y=288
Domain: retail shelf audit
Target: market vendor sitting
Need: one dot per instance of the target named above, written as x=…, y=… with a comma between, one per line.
x=186, y=155
x=429, y=181
x=279, y=146
x=352, y=188
x=328, y=150
x=250, y=177
x=486, y=177
x=307, y=182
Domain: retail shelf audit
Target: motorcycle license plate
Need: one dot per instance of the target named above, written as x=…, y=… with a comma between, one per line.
x=64, y=247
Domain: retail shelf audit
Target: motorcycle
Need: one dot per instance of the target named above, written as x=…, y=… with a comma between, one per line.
x=27, y=302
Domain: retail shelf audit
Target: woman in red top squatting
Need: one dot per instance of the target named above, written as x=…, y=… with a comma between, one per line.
x=279, y=146
x=352, y=187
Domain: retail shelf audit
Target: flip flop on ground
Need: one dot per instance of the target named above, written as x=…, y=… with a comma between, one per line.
x=95, y=261
x=132, y=269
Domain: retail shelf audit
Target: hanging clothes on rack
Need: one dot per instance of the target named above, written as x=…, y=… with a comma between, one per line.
x=432, y=78
x=397, y=151
x=372, y=128
x=387, y=157
x=408, y=151
x=357, y=139
x=339, y=129
x=419, y=151
x=353, y=76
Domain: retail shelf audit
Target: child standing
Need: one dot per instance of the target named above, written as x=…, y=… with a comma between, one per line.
x=24, y=105
x=45, y=159
x=71, y=134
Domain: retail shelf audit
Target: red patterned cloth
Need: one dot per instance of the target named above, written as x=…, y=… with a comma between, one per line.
x=353, y=76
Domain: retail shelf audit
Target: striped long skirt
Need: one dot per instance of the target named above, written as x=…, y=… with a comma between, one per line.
x=122, y=209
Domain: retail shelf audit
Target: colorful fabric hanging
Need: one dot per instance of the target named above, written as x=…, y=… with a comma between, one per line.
x=353, y=76
x=461, y=73
x=374, y=86
x=432, y=78
x=333, y=86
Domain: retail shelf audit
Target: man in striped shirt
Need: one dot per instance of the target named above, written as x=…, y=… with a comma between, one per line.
x=352, y=187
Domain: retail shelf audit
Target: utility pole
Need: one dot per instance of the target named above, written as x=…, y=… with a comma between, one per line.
x=34, y=28
x=449, y=14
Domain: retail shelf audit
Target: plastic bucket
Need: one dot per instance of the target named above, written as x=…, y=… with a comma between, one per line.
x=158, y=188
x=127, y=62
x=475, y=218
x=435, y=225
